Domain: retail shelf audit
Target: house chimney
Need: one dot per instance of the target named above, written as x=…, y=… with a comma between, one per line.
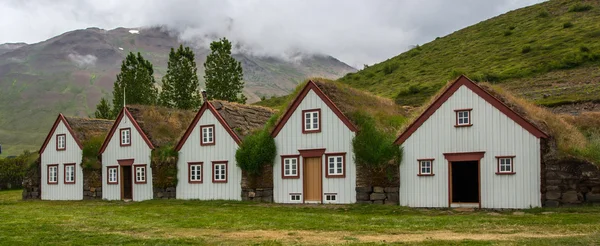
x=204, y=99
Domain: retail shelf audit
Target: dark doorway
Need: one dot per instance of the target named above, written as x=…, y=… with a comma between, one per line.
x=127, y=187
x=465, y=182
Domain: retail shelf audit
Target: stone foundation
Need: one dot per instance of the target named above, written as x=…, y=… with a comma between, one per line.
x=165, y=193
x=257, y=195
x=569, y=182
x=377, y=195
x=92, y=184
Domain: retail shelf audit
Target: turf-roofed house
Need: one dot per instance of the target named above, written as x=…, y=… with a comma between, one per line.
x=315, y=162
x=136, y=153
x=207, y=163
x=469, y=149
x=61, y=155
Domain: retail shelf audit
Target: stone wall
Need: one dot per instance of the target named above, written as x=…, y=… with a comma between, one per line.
x=257, y=195
x=92, y=184
x=260, y=188
x=32, y=182
x=165, y=193
x=377, y=195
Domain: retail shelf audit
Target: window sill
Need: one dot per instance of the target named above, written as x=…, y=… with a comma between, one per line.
x=61, y=149
x=310, y=131
x=207, y=144
x=195, y=182
x=114, y=183
x=334, y=176
x=291, y=177
x=140, y=182
x=426, y=174
x=500, y=173
x=125, y=145
x=220, y=181
x=53, y=183
x=469, y=125
x=69, y=183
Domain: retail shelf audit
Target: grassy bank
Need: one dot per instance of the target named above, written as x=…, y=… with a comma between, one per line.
x=218, y=222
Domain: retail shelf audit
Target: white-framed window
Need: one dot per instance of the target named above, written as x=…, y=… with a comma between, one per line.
x=113, y=175
x=290, y=167
x=140, y=174
x=463, y=117
x=296, y=197
x=311, y=120
x=207, y=135
x=335, y=165
x=330, y=197
x=69, y=173
x=219, y=172
x=425, y=167
x=125, y=136
x=61, y=142
x=195, y=171
x=53, y=174
x=505, y=164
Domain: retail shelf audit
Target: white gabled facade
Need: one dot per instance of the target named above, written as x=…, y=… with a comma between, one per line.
x=126, y=159
x=194, y=156
x=492, y=132
x=58, y=164
x=296, y=145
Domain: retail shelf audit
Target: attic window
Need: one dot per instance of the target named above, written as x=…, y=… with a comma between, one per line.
x=207, y=135
x=125, y=136
x=311, y=121
x=61, y=141
x=463, y=117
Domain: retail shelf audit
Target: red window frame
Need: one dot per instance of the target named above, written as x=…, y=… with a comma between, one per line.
x=304, y=131
x=108, y=174
x=190, y=164
x=63, y=148
x=512, y=165
x=456, y=111
x=202, y=143
x=48, y=174
x=65, y=173
x=343, y=174
x=419, y=167
x=135, y=181
x=214, y=163
x=297, y=157
x=121, y=136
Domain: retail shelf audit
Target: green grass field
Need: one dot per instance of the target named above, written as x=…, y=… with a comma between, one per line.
x=232, y=223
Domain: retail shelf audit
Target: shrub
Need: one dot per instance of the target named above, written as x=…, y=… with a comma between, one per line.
x=414, y=89
x=13, y=170
x=526, y=49
x=584, y=49
x=164, y=167
x=91, y=147
x=256, y=151
x=511, y=28
x=579, y=7
x=567, y=25
x=543, y=13
x=375, y=153
x=507, y=33
x=390, y=68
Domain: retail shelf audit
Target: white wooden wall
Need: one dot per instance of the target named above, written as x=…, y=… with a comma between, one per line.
x=224, y=149
x=139, y=151
x=334, y=137
x=72, y=154
x=492, y=132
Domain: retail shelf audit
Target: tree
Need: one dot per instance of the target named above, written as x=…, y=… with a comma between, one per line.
x=103, y=110
x=180, y=84
x=223, y=74
x=137, y=80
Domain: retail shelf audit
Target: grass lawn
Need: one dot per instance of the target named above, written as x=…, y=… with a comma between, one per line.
x=226, y=222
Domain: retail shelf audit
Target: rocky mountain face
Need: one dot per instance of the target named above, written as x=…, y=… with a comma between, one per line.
x=70, y=73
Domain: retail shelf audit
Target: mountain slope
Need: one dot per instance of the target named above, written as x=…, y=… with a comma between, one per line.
x=70, y=72
x=548, y=53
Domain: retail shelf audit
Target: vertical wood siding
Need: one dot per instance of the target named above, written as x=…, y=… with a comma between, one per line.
x=492, y=132
x=139, y=151
x=223, y=150
x=72, y=154
x=334, y=137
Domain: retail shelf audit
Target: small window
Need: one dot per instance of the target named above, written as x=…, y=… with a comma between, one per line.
x=331, y=197
x=69, y=173
x=207, y=135
x=125, y=136
x=113, y=175
x=53, y=174
x=425, y=167
x=336, y=165
x=295, y=197
x=195, y=172
x=463, y=117
x=219, y=172
x=505, y=164
x=311, y=121
x=140, y=174
x=61, y=142
x=290, y=167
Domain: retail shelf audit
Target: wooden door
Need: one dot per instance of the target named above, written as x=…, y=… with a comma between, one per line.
x=312, y=179
x=126, y=183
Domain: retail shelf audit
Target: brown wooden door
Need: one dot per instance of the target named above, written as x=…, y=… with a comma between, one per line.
x=126, y=183
x=312, y=179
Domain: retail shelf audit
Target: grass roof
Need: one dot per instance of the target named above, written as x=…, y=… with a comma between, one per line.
x=163, y=126
x=243, y=118
x=87, y=128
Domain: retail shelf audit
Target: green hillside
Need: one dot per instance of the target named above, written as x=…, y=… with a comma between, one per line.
x=548, y=53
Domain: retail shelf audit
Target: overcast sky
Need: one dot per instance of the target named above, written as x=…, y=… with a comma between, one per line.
x=355, y=31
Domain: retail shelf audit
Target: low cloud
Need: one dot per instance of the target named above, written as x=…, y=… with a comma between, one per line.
x=83, y=60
